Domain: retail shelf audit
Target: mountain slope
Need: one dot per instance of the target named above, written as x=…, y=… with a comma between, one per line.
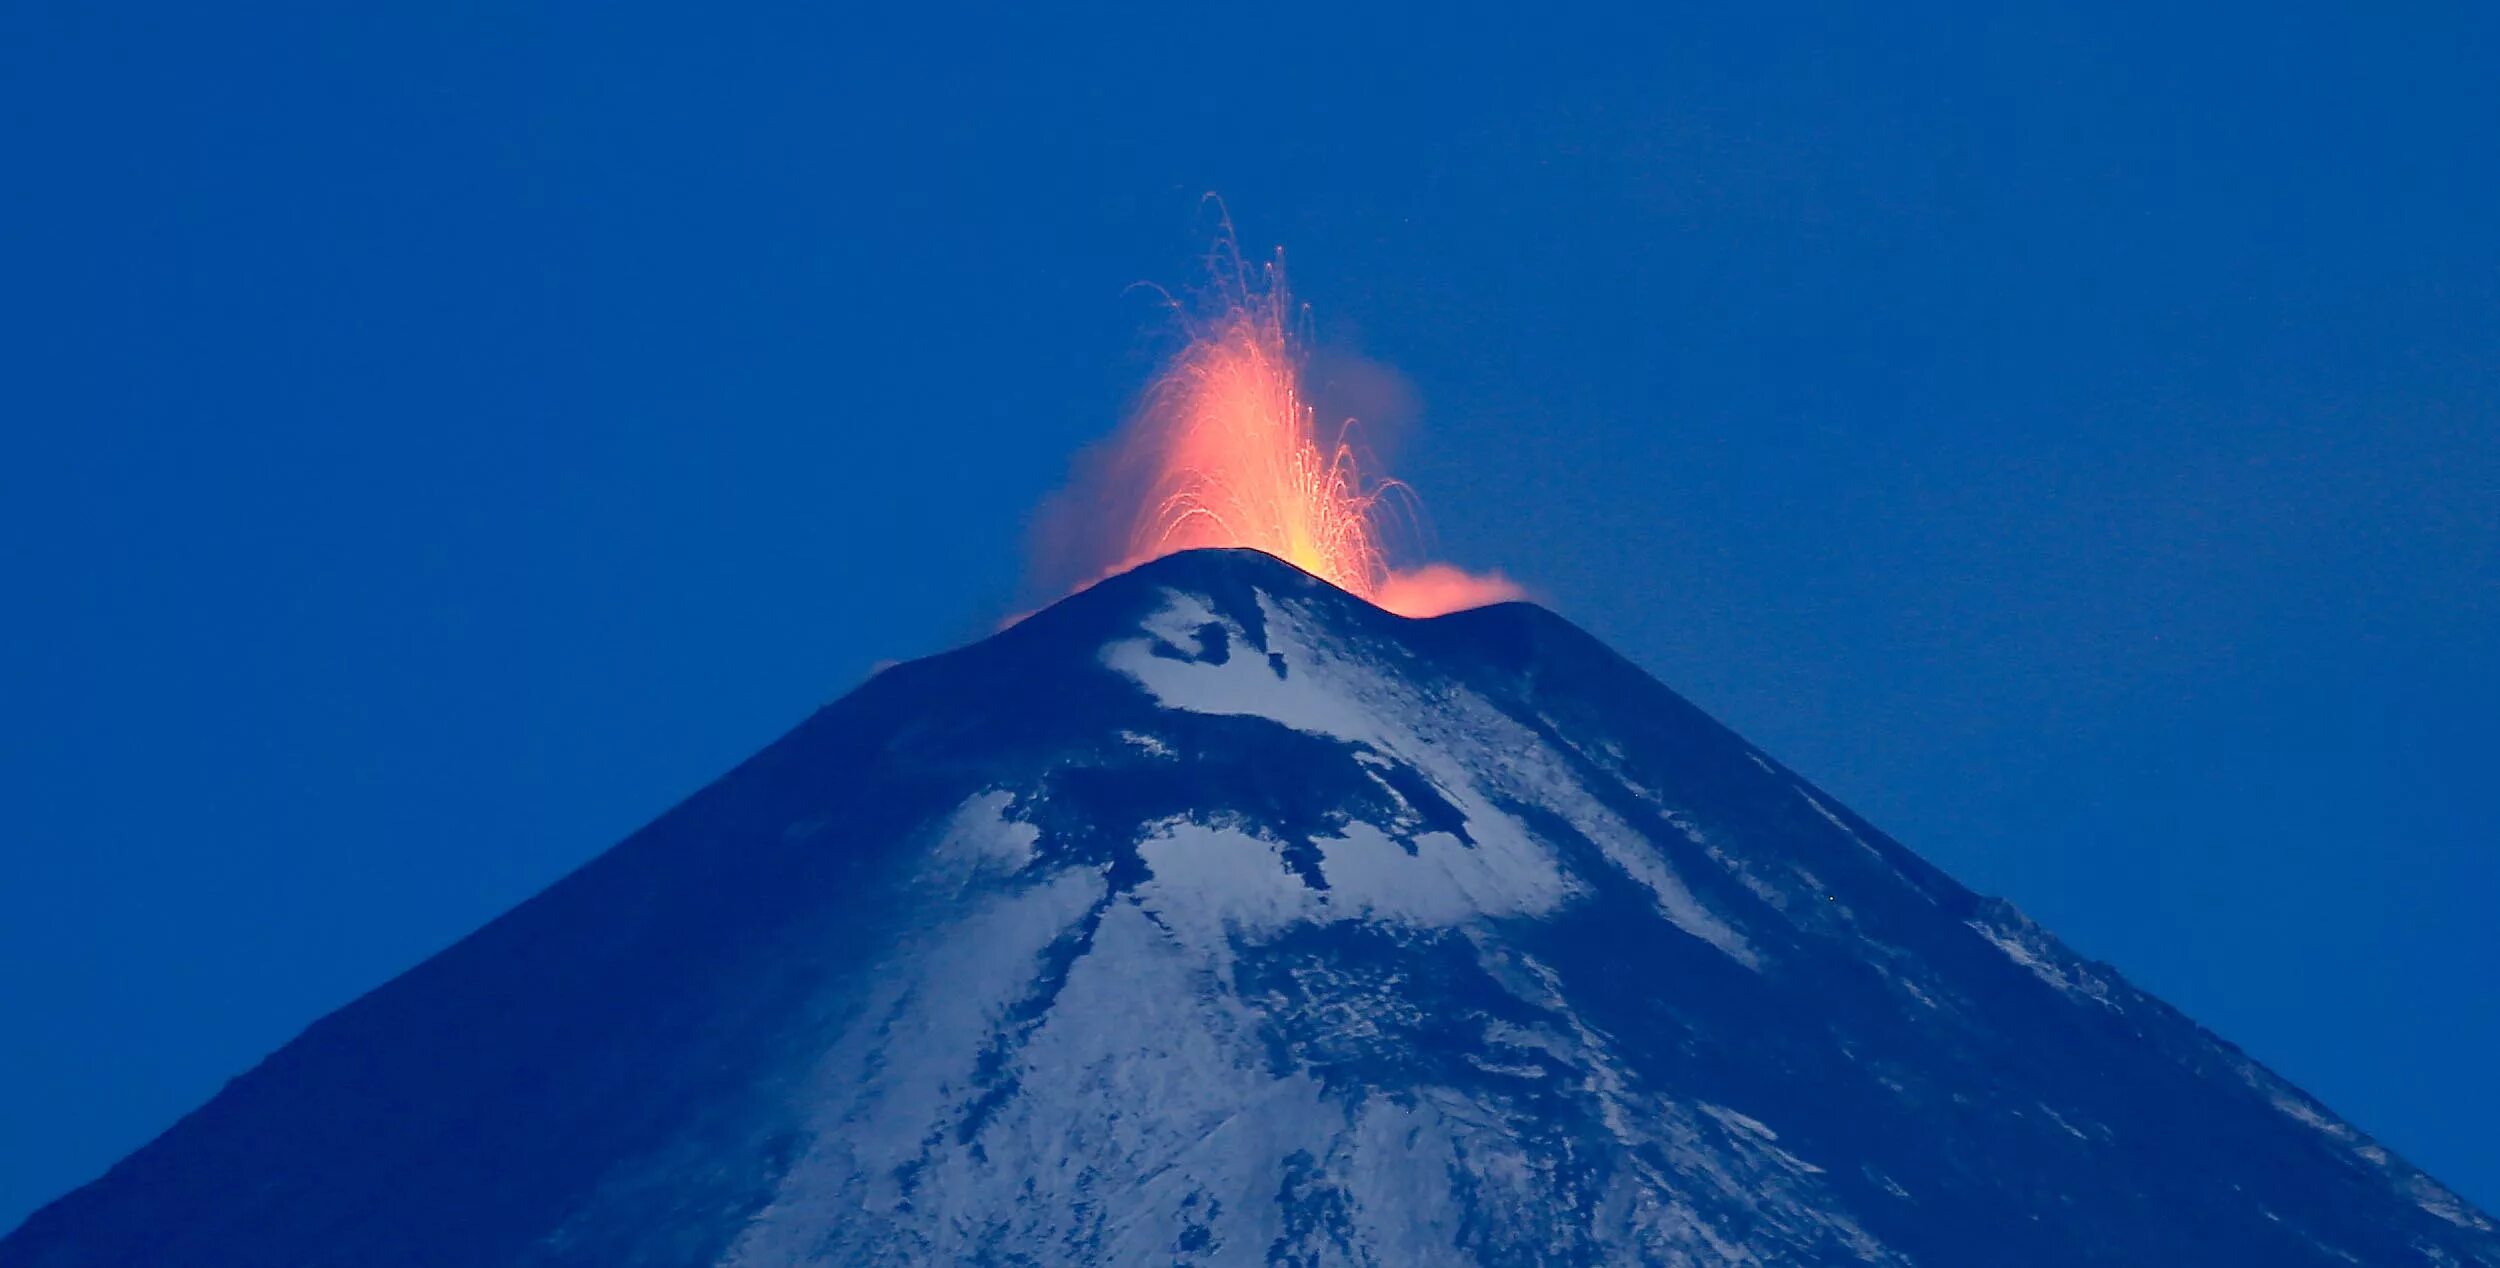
x=1215, y=916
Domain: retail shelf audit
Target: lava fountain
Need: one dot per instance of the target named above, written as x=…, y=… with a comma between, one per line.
x=1224, y=450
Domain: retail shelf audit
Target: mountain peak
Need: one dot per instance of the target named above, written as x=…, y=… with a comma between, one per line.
x=1228, y=577
x=1214, y=915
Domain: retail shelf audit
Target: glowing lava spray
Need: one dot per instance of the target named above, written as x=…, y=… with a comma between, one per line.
x=1225, y=451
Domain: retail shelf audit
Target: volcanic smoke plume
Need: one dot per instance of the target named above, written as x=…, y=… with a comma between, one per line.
x=1224, y=450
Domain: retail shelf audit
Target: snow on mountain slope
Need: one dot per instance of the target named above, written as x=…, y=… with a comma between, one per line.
x=1213, y=916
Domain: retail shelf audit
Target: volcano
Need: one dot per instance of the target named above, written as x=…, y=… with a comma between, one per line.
x=1216, y=916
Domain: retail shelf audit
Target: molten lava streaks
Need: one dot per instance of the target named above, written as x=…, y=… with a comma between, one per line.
x=1225, y=451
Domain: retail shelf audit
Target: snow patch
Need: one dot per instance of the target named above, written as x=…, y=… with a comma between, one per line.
x=979, y=835
x=1441, y=880
x=2060, y=1120
x=1837, y=822
x=1181, y=665
x=2032, y=951
x=1153, y=746
x=1208, y=881
x=1745, y=1123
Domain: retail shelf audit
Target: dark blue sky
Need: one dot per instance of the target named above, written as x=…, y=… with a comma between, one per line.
x=439, y=438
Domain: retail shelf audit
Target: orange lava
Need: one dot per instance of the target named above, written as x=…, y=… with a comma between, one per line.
x=1234, y=457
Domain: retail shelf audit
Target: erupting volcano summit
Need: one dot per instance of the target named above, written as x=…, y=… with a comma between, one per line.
x=1226, y=451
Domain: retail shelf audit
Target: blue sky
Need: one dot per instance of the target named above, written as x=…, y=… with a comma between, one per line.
x=441, y=437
